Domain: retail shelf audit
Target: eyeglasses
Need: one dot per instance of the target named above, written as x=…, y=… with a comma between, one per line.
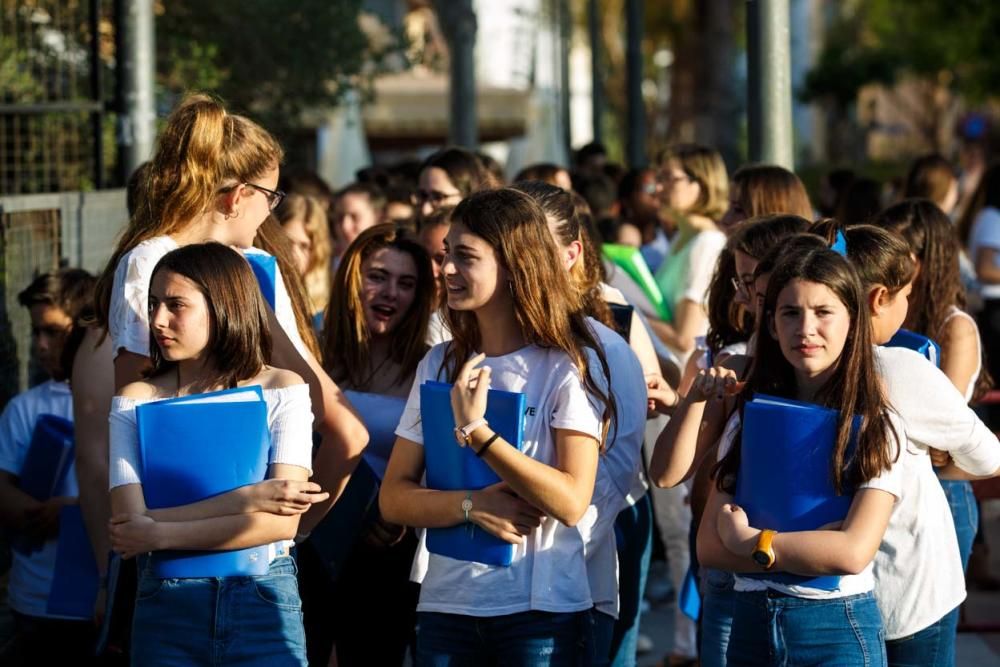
x=743, y=287
x=435, y=197
x=274, y=197
x=671, y=178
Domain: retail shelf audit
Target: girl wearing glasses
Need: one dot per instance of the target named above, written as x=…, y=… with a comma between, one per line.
x=214, y=177
x=695, y=196
x=446, y=177
x=512, y=308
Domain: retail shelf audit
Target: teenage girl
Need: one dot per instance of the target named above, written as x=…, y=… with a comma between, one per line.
x=210, y=327
x=695, y=195
x=373, y=341
x=213, y=177
x=814, y=345
x=446, y=177
x=511, y=307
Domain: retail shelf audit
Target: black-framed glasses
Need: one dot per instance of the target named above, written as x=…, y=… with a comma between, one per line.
x=274, y=197
x=747, y=289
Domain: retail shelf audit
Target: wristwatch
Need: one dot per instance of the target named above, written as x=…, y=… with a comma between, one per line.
x=467, y=505
x=763, y=553
x=464, y=433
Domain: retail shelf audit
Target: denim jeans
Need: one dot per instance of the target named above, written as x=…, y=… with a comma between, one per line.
x=528, y=639
x=934, y=646
x=717, y=601
x=220, y=621
x=602, y=629
x=965, y=512
x=634, y=538
x=770, y=628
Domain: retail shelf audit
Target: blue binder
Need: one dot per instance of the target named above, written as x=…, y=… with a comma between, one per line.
x=265, y=270
x=784, y=481
x=195, y=447
x=918, y=343
x=450, y=467
x=49, y=458
x=75, y=579
x=46, y=467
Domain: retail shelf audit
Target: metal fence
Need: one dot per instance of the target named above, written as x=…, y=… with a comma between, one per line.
x=40, y=233
x=56, y=57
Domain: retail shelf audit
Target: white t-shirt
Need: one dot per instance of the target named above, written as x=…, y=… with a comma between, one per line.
x=548, y=572
x=687, y=273
x=128, y=317
x=890, y=481
x=918, y=570
x=620, y=480
x=31, y=574
x=985, y=233
x=437, y=329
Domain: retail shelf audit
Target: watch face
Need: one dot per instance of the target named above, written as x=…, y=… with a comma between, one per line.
x=761, y=558
x=467, y=505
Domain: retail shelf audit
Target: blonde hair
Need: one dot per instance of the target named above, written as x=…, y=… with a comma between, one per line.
x=202, y=148
x=314, y=219
x=705, y=166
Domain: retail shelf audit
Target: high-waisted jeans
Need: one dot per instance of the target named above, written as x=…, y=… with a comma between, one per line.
x=220, y=621
x=770, y=628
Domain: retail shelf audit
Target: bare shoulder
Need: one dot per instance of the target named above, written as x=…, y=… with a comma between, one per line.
x=277, y=378
x=959, y=329
x=143, y=389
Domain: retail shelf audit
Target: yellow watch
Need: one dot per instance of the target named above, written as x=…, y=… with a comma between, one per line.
x=763, y=553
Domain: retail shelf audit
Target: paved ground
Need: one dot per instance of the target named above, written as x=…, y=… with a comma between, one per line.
x=973, y=649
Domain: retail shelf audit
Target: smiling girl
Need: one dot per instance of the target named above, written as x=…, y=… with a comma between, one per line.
x=209, y=325
x=814, y=345
x=510, y=305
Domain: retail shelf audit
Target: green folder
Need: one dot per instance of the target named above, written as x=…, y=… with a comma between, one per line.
x=629, y=259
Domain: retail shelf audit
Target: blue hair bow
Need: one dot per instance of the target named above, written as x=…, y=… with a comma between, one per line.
x=839, y=244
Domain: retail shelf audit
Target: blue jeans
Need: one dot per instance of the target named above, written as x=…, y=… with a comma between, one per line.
x=220, y=621
x=965, y=512
x=602, y=629
x=528, y=639
x=717, y=601
x=770, y=628
x=634, y=538
x=934, y=646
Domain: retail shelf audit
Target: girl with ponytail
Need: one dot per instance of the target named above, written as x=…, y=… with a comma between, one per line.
x=213, y=177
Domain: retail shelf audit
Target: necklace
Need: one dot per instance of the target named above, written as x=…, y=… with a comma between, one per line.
x=367, y=381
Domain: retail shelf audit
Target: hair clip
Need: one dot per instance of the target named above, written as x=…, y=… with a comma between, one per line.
x=839, y=244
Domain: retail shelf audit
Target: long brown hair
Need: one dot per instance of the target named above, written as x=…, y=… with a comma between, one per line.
x=346, y=350
x=938, y=287
x=565, y=218
x=201, y=148
x=464, y=169
x=854, y=387
x=930, y=176
x=766, y=188
x=879, y=256
x=240, y=340
x=727, y=324
x=547, y=307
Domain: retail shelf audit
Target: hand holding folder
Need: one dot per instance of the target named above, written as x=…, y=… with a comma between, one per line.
x=195, y=447
x=785, y=482
x=46, y=467
x=450, y=467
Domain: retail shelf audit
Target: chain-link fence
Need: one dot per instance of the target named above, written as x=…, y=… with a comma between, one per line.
x=40, y=233
x=56, y=57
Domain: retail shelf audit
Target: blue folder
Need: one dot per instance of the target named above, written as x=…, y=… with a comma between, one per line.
x=918, y=343
x=195, y=447
x=784, y=481
x=46, y=468
x=75, y=579
x=450, y=467
x=49, y=458
x=265, y=270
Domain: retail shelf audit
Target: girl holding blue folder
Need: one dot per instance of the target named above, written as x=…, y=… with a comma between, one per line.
x=209, y=324
x=814, y=345
x=509, y=299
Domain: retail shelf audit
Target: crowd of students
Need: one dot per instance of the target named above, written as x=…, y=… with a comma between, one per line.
x=439, y=271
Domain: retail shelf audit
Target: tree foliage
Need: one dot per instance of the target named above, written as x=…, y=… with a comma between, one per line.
x=879, y=41
x=272, y=59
